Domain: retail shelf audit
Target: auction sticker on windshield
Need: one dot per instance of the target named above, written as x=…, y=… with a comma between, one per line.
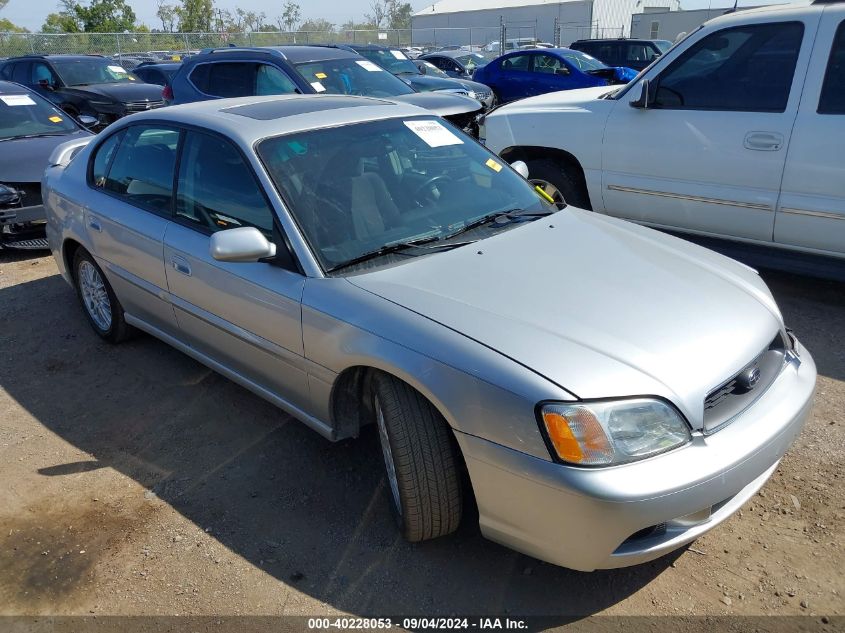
x=434, y=134
x=399, y=54
x=118, y=69
x=17, y=100
x=316, y=85
x=368, y=65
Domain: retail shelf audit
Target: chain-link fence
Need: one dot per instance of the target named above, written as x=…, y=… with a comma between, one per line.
x=157, y=45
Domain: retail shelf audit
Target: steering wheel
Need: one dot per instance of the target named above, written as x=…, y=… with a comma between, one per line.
x=427, y=186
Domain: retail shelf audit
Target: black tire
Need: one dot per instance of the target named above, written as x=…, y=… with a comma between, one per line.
x=563, y=178
x=117, y=329
x=427, y=501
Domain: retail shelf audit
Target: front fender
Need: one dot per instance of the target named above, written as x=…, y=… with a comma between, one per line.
x=476, y=389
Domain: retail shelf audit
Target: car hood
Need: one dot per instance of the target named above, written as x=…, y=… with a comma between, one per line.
x=122, y=92
x=25, y=159
x=425, y=83
x=441, y=103
x=599, y=306
x=579, y=98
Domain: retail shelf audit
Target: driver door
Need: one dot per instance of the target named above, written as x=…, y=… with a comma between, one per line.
x=708, y=153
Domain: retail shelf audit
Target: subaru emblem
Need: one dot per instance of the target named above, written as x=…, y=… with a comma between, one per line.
x=749, y=378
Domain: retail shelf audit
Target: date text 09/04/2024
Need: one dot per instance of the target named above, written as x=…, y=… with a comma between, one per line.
x=418, y=623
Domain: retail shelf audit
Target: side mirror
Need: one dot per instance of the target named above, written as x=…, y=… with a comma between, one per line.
x=244, y=244
x=86, y=120
x=562, y=71
x=641, y=102
x=520, y=167
x=45, y=83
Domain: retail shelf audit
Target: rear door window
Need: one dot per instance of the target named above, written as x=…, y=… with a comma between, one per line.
x=832, y=100
x=517, y=63
x=143, y=167
x=241, y=79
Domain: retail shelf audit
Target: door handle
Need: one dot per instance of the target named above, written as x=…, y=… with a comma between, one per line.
x=94, y=224
x=764, y=141
x=180, y=265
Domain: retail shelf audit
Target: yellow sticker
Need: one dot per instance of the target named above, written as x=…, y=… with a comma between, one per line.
x=56, y=119
x=320, y=75
x=492, y=164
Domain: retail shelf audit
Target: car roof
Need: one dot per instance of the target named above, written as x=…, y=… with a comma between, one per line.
x=164, y=65
x=11, y=88
x=250, y=119
x=58, y=56
x=293, y=53
x=619, y=40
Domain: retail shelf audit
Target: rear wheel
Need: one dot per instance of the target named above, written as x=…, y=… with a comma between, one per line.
x=420, y=458
x=559, y=182
x=104, y=312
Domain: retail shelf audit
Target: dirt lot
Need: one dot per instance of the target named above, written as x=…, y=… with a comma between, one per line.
x=136, y=481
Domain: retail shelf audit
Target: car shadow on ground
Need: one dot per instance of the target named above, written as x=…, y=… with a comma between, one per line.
x=311, y=513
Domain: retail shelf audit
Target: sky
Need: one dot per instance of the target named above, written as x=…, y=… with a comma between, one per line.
x=31, y=13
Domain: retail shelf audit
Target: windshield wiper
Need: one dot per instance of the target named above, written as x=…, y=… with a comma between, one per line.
x=385, y=249
x=42, y=135
x=507, y=215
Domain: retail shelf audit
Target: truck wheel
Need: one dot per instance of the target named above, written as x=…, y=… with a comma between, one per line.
x=104, y=312
x=420, y=458
x=558, y=182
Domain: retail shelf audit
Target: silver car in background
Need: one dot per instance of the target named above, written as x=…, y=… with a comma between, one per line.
x=611, y=393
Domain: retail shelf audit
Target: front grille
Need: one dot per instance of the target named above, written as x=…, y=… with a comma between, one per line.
x=737, y=393
x=143, y=106
x=30, y=193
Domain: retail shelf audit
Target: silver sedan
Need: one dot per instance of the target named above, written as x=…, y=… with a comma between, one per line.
x=609, y=393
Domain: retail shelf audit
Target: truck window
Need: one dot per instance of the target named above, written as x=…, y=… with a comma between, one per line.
x=746, y=68
x=832, y=100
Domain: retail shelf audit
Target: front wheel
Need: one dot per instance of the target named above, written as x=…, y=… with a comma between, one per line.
x=420, y=458
x=104, y=312
x=558, y=182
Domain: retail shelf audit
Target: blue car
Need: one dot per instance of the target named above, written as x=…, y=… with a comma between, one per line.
x=526, y=73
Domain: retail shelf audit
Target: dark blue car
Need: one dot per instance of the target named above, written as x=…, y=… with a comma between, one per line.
x=526, y=73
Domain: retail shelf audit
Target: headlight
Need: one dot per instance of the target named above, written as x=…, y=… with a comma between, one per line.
x=612, y=432
x=97, y=105
x=471, y=93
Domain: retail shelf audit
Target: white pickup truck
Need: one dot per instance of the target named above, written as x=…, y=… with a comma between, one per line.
x=737, y=132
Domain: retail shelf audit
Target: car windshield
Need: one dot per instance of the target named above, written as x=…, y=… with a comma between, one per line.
x=352, y=76
x=360, y=188
x=431, y=69
x=79, y=72
x=582, y=61
x=27, y=115
x=472, y=61
x=393, y=60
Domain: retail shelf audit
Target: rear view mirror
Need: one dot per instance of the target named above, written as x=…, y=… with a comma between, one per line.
x=422, y=69
x=243, y=244
x=520, y=167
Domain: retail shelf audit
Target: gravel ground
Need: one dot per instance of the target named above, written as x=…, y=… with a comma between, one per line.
x=136, y=481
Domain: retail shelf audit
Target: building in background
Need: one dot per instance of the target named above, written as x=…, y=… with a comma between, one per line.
x=477, y=22
x=660, y=24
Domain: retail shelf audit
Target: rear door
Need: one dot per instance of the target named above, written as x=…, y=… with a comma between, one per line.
x=811, y=213
x=128, y=213
x=708, y=153
x=245, y=316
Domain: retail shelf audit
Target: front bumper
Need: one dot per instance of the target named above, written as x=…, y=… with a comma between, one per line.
x=602, y=518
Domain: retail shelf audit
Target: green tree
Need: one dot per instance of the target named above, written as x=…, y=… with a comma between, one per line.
x=7, y=26
x=317, y=25
x=195, y=16
x=399, y=14
x=105, y=16
x=168, y=14
x=291, y=14
x=61, y=23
